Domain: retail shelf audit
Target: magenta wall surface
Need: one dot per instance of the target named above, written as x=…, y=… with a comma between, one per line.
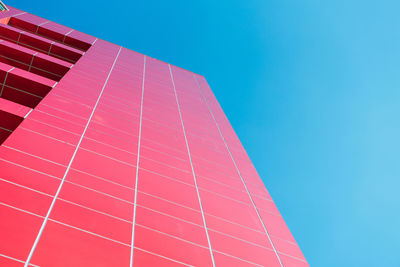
x=122, y=160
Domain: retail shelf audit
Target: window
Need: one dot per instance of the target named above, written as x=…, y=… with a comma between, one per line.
x=34, y=56
x=3, y=7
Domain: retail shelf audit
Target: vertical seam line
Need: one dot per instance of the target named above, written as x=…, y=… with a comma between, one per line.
x=237, y=169
x=63, y=41
x=30, y=64
x=5, y=80
x=68, y=168
x=19, y=36
x=27, y=114
x=51, y=46
x=37, y=26
x=137, y=165
x=191, y=165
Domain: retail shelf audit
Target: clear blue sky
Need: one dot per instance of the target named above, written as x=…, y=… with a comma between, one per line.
x=311, y=87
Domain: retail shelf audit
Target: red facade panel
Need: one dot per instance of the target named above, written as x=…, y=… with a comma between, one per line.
x=118, y=159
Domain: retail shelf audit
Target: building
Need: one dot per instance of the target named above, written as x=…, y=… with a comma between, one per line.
x=77, y=116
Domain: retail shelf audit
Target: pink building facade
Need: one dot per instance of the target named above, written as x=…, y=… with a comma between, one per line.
x=112, y=158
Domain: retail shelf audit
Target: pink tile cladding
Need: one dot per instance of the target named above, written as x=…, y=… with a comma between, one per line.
x=112, y=158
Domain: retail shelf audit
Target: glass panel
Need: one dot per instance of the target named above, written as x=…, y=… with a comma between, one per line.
x=2, y=6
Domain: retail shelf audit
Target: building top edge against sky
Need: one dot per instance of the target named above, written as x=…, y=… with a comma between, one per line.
x=6, y=14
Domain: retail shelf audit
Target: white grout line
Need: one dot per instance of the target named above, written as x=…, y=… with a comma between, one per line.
x=16, y=15
x=21, y=210
x=104, y=125
x=85, y=231
x=237, y=169
x=256, y=264
x=5, y=129
x=63, y=41
x=169, y=201
x=204, y=189
x=96, y=211
x=155, y=254
x=36, y=48
x=147, y=208
x=47, y=136
x=22, y=91
x=30, y=65
x=55, y=127
x=111, y=146
x=158, y=162
x=25, y=187
x=65, y=91
x=66, y=112
x=55, y=93
x=60, y=118
x=191, y=164
x=23, y=152
x=22, y=166
x=137, y=164
x=68, y=168
x=19, y=36
x=82, y=148
x=102, y=178
x=51, y=45
x=11, y=258
x=89, y=232
x=163, y=199
x=109, y=181
x=5, y=80
x=37, y=26
x=36, y=32
x=100, y=192
x=169, y=215
x=105, y=156
x=172, y=236
x=129, y=164
x=27, y=114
